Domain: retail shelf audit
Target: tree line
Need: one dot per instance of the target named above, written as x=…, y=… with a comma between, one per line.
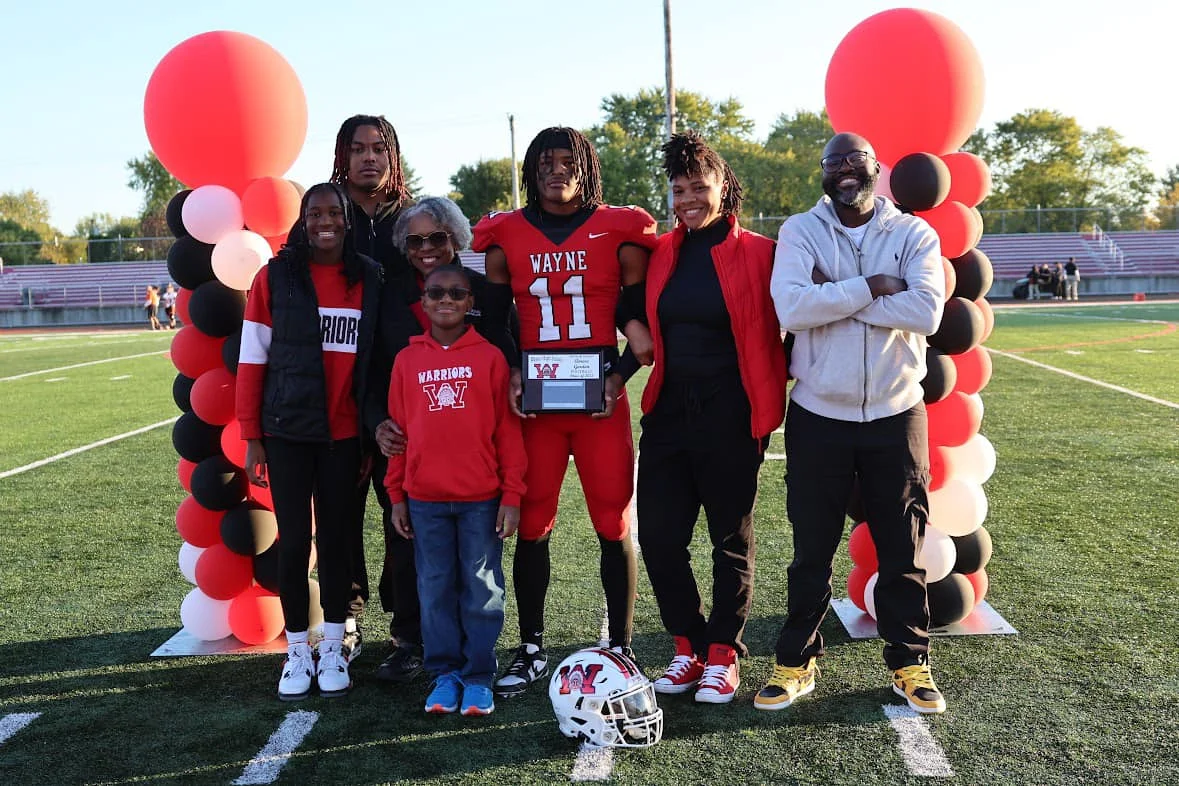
x=1041, y=160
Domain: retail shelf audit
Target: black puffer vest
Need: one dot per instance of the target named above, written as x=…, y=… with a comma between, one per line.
x=294, y=399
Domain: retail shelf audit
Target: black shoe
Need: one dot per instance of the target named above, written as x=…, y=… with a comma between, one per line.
x=353, y=643
x=402, y=665
x=628, y=653
x=529, y=664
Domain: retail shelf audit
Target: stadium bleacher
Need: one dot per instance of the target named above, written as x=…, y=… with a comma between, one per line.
x=100, y=284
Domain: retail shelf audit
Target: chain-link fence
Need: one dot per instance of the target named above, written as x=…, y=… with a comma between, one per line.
x=71, y=250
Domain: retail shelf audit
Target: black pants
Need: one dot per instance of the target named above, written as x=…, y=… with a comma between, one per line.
x=696, y=450
x=398, y=585
x=300, y=473
x=890, y=457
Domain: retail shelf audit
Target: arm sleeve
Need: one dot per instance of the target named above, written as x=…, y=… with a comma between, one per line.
x=632, y=304
x=509, y=440
x=395, y=474
x=919, y=308
x=253, y=357
x=802, y=304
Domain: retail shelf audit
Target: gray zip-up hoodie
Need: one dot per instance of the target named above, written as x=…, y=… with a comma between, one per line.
x=856, y=358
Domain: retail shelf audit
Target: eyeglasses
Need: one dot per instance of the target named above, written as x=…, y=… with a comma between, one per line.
x=855, y=158
x=455, y=293
x=434, y=238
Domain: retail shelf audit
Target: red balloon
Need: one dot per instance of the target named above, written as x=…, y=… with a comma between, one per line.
x=862, y=549
x=259, y=494
x=212, y=396
x=955, y=227
x=276, y=242
x=182, y=297
x=988, y=317
x=941, y=466
x=270, y=206
x=951, y=277
x=981, y=583
x=198, y=525
x=856, y=581
x=225, y=108
x=933, y=103
x=194, y=353
x=954, y=419
x=222, y=574
x=232, y=444
x=255, y=616
x=184, y=473
x=970, y=178
x=974, y=370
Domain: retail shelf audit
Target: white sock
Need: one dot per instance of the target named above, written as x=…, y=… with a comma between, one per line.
x=294, y=640
x=333, y=636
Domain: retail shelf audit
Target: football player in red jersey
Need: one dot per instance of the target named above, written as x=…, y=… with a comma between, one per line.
x=576, y=269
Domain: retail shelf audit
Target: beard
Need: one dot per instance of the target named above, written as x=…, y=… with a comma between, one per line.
x=855, y=197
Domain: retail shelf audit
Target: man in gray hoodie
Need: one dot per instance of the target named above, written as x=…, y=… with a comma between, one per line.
x=860, y=285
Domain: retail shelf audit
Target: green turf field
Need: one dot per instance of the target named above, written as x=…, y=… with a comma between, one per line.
x=1084, y=514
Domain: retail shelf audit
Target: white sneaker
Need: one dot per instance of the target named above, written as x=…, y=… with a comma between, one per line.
x=295, y=682
x=332, y=674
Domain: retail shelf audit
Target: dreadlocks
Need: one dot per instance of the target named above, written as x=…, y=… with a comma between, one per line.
x=297, y=250
x=395, y=187
x=688, y=155
x=586, y=166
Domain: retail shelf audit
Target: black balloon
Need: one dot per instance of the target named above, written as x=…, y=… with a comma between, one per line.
x=216, y=310
x=172, y=214
x=266, y=569
x=190, y=262
x=231, y=349
x=181, y=389
x=194, y=439
x=961, y=329
x=249, y=529
x=217, y=484
x=974, y=551
x=940, y=375
x=920, y=181
x=975, y=274
x=950, y=600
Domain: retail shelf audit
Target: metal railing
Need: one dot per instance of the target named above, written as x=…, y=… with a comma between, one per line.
x=1107, y=244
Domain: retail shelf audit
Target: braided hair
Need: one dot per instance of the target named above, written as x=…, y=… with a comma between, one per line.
x=688, y=155
x=395, y=187
x=586, y=166
x=297, y=250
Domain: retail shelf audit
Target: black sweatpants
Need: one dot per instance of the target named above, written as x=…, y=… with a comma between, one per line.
x=890, y=457
x=300, y=473
x=398, y=585
x=696, y=450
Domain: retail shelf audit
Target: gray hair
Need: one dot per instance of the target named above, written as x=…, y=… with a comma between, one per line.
x=444, y=211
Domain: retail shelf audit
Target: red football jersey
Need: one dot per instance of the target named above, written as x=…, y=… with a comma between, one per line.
x=566, y=294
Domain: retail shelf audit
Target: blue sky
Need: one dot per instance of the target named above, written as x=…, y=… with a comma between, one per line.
x=448, y=73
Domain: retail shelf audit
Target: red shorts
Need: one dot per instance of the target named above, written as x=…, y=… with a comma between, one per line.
x=603, y=450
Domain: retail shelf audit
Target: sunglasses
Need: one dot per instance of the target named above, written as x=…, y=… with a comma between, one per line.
x=434, y=238
x=455, y=293
x=855, y=158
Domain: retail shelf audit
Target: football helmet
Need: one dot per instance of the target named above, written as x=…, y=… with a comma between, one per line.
x=602, y=697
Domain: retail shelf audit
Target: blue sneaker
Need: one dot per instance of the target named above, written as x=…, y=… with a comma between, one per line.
x=478, y=700
x=444, y=698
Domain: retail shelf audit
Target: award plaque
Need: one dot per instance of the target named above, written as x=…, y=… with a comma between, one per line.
x=564, y=380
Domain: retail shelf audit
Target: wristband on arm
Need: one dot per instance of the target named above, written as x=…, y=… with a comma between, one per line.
x=632, y=304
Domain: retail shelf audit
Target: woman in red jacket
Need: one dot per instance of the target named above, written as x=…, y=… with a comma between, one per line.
x=717, y=391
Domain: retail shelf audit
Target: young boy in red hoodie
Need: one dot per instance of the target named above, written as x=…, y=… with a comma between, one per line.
x=463, y=475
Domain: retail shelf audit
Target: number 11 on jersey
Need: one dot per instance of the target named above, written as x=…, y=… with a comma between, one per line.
x=549, y=329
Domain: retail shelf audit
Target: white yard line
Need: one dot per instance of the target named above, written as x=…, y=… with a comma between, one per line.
x=1090, y=380
x=121, y=376
x=593, y=764
x=11, y=724
x=80, y=365
x=75, y=451
x=922, y=755
x=267, y=763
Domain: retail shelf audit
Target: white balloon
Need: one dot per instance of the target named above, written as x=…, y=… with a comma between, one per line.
x=870, y=595
x=211, y=212
x=189, y=554
x=975, y=460
x=238, y=256
x=958, y=508
x=204, y=617
x=938, y=555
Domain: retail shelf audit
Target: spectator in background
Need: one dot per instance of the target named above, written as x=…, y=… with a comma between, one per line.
x=1058, y=282
x=168, y=300
x=1072, y=279
x=152, y=306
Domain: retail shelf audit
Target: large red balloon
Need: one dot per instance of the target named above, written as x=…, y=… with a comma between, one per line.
x=933, y=97
x=225, y=108
x=221, y=574
x=198, y=525
x=955, y=226
x=182, y=297
x=184, y=471
x=941, y=466
x=194, y=353
x=981, y=583
x=212, y=396
x=954, y=420
x=270, y=206
x=970, y=178
x=862, y=549
x=856, y=581
x=974, y=370
x=233, y=446
x=255, y=616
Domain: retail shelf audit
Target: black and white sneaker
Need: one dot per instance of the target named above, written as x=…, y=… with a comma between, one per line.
x=352, y=644
x=529, y=664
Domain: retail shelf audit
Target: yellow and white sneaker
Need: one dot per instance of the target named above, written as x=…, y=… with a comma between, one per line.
x=915, y=685
x=786, y=684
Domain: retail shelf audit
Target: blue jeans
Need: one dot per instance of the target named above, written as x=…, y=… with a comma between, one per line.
x=459, y=559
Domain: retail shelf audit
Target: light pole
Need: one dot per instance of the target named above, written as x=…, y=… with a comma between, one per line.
x=670, y=88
